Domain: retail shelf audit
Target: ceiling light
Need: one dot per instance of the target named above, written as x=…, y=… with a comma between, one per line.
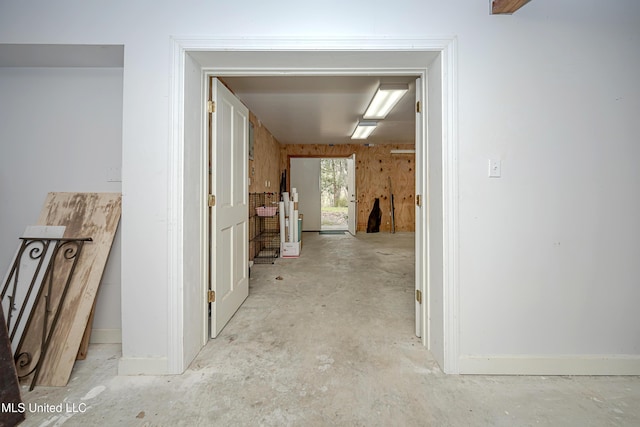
x=386, y=97
x=364, y=129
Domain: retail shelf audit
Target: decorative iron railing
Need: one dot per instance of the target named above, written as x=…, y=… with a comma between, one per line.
x=33, y=298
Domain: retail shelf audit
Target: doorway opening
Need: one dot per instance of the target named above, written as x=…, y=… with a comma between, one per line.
x=436, y=210
x=321, y=172
x=326, y=185
x=334, y=194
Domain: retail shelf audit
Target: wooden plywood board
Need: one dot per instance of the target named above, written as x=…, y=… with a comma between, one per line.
x=84, y=343
x=374, y=166
x=507, y=6
x=94, y=215
x=264, y=169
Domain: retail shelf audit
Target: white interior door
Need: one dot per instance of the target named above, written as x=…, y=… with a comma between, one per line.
x=305, y=178
x=352, y=211
x=228, y=205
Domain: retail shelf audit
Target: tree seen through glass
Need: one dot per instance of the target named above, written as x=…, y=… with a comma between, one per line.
x=334, y=193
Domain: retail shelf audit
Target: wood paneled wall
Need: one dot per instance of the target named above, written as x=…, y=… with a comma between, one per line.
x=264, y=169
x=374, y=166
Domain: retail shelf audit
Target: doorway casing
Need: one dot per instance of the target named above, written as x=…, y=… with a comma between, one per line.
x=195, y=59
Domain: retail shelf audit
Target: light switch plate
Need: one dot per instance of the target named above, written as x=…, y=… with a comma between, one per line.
x=495, y=168
x=114, y=175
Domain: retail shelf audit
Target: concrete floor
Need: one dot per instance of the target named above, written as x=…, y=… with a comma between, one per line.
x=328, y=339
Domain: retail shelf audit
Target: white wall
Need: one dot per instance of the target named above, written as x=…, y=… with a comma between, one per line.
x=305, y=178
x=548, y=253
x=60, y=130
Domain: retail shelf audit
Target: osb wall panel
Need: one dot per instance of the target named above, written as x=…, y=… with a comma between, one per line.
x=264, y=169
x=374, y=166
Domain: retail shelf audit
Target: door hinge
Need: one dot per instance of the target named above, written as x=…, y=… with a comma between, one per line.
x=419, y=296
x=212, y=296
x=418, y=107
x=418, y=200
x=212, y=200
x=211, y=106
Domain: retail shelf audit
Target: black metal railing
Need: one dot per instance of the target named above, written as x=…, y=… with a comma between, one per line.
x=33, y=304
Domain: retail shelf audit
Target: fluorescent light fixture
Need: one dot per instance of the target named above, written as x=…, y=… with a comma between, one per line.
x=386, y=97
x=364, y=129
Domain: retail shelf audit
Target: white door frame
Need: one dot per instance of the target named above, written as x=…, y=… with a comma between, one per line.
x=176, y=361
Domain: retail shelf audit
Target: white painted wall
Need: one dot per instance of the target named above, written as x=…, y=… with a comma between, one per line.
x=305, y=178
x=60, y=130
x=195, y=187
x=548, y=253
x=435, y=207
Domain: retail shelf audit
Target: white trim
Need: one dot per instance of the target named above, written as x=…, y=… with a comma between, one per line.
x=142, y=366
x=422, y=213
x=106, y=336
x=248, y=72
x=550, y=365
x=307, y=44
x=204, y=209
x=450, y=206
x=180, y=46
x=426, y=221
x=175, y=204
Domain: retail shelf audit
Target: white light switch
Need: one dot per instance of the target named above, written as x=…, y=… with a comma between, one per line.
x=495, y=168
x=114, y=175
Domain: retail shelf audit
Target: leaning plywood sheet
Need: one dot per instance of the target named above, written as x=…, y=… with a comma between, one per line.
x=94, y=215
x=84, y=343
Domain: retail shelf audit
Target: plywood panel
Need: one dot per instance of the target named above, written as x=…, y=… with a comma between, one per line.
x=264, y=169
x=374, y=166
x=86, y=337
x=94, y=215
x=507, y=6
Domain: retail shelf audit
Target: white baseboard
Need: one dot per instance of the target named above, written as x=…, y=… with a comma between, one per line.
x=143, y=366
x=550, y=365
x=106, y=336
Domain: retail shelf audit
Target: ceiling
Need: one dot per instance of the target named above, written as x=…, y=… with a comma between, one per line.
x=324, y=109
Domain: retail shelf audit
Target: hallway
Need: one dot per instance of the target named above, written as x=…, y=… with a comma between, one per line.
x=328, y=339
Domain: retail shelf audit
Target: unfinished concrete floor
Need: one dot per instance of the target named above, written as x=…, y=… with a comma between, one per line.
x=331, y=343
